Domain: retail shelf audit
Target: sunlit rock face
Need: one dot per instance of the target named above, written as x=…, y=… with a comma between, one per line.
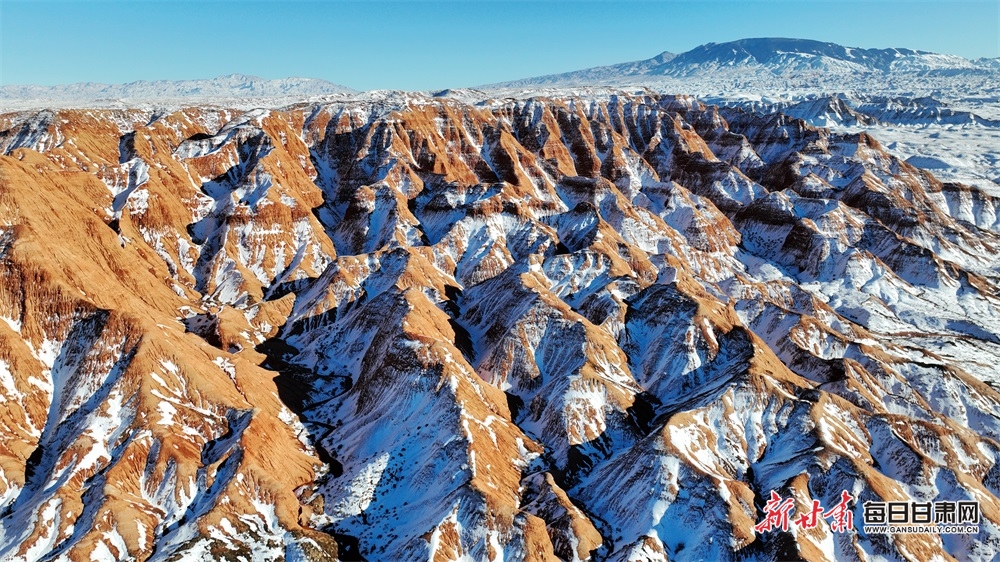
x=414, y=328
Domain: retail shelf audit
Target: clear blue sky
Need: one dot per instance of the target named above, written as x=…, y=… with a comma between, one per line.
x=417, y=45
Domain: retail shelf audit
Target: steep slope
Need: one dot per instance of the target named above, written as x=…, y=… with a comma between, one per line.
x=940, y=110
x=413, y=328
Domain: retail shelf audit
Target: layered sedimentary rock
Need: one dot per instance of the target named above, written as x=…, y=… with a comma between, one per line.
x=411, y=328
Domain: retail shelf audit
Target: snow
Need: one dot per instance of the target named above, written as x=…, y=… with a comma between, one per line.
x=14, y=324
x=235, y=89
x=8, y=388
x=10, y=493
x=578, y=344
x=47, y=352
x=114, y=540
x=167, y=412
x=361, y=489
x=48, y=517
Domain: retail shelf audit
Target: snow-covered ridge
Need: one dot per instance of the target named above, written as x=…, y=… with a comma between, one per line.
x=767, y=62
x=859, y=109
x=598, y=327
x=593, y=323
x=220, y=89
x=936, y=110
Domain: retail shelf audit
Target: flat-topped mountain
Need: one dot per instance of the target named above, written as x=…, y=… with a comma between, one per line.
x=772, y=58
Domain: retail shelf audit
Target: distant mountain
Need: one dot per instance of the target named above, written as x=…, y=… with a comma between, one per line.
x=234, y=86
x=799, y=55
x=658, y=65
x=764, y=62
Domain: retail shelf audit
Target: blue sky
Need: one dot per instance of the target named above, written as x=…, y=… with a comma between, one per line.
x=417, y=45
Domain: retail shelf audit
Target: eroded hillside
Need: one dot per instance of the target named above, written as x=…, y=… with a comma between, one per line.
x=417, y=328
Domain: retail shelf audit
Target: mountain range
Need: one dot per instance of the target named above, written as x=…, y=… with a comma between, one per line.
x=744, y=65
x=587, y=324
x=231, y=87
x=796, y=61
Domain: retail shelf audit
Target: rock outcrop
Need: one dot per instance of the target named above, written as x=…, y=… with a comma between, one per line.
x=412, y=328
